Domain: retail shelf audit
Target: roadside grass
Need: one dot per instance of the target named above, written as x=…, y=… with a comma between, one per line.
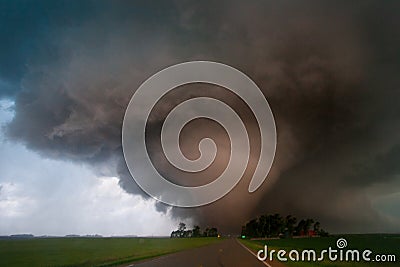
x=377, y=243
x=90, y=251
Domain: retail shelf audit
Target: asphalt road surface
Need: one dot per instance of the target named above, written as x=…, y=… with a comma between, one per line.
x=228, y=253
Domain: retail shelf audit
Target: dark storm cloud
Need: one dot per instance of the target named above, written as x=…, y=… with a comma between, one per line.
x=328, y=70
x=377, y=169
x=26, y=28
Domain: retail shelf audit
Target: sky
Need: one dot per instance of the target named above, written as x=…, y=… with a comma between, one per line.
x=328, y=70
x=55, y=197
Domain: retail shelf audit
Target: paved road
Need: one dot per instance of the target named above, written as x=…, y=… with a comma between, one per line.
x=228, y=253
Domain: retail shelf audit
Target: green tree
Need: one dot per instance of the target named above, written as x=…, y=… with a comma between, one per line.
x=263, y=225
x=277, y=224
x=213, y=232
x=299, y=230
x=317, y=227
x=252, y=228
x=205, y=233
x=290, y=223
x=196, y=231
x=181, y=229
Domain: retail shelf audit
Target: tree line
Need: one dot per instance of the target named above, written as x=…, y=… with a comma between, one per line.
x=195, y=232
x=277, y=226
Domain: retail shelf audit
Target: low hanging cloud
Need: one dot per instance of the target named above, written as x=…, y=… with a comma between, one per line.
x=329, y=72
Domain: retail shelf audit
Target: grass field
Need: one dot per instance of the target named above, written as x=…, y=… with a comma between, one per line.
x=378, y=243
x=90, y=251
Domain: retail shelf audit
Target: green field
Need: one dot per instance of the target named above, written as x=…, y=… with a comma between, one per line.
x=378, y=243
x=90, y=251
